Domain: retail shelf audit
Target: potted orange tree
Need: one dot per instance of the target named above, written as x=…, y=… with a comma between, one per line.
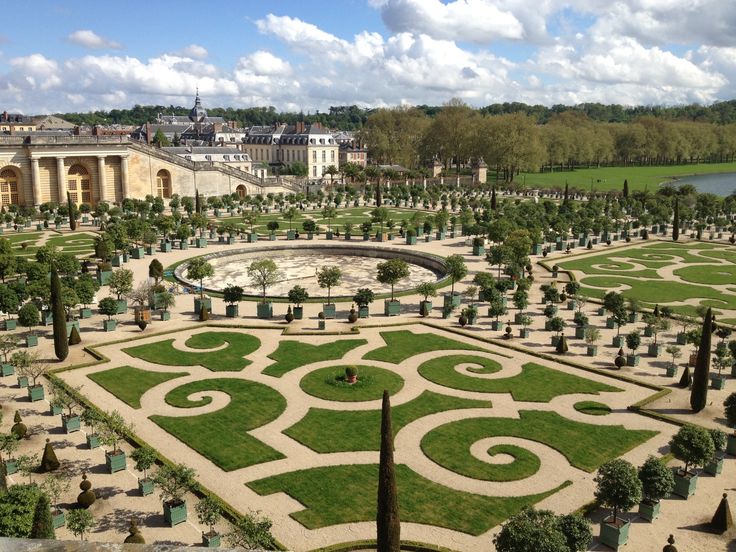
x=618, y=488
x=174, y=481
x=112, y=430
x=692, y=445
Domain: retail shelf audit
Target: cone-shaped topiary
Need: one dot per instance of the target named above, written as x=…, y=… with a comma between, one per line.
x=49, y=461
x=699, y=393
x=676, y=221
x=670, y=546
x=142, y=324
x=43, y=524
x=19, y=429
x=686, y=379
x=87, y=497
x=74, y=337
x=72, y=212
x=387, y=521
x=722, y=520
x=562, y=347
x=135, y=536
x=289, y=317
x=620, y=360
x=61, y=346
x=204, y=314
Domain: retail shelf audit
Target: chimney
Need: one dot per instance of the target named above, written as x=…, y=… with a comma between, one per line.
x=5, y=115
x=148, y=134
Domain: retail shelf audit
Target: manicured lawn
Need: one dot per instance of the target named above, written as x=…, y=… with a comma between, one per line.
x=403, y=344
x=221, y=436
x=325, y=430
x=347, y=493
x=329, y=383
x=708, y=274
x=229, y=358
x=293, y=354
x=535, y=383
x=586, y=446
x=593, y=408
x=77, y=243
x=129, y=384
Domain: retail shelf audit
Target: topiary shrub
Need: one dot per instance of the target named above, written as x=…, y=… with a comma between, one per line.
x=729, y=409
x=562, y=347
x=204, y=314
x=135, y=536
x=686, y=379
x=49, y=461
x=87, y=497
x=74, y=337
x=351, y=374
x=19, y=429
x=43, y=523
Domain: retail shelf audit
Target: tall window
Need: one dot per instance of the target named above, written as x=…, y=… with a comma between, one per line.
x=324, y=156
x=314, y=156
x=332, y=155
x=163, y=184
x=240, y=190
x=8, y=187
x=79, y=185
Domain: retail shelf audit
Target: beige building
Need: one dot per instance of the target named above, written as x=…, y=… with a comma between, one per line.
x=15, y=122
x=39, y=169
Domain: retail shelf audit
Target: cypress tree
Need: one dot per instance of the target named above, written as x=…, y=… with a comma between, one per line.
x=197, y=206
x=626, y=188
x=61, y=346
x=676, y=221
x=494, y=201
x=387, y=520
x=699, y=393
x=3, y=480
x=379, y=199
x=566, y=196
x=72, y=212
x=43, y=524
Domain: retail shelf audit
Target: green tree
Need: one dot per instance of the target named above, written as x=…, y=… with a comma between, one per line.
x=618, y=486
x=298, y=295
x=251, y=531
x=328, y=277
x=80, y=521
x=387, y=518
x=61, y=345
x=209, y=512
x=699, y=392
x=28, y=316
x=656, y=478
x=160, y=140
x=121, y=282
x=43, y=524
x=199, y=269
x=156, y=271
x=729, y=409
x=456, y=270
x=17, y=507
x=263, y=273
x=392, y=272
x=692, y=445
x=531, y=531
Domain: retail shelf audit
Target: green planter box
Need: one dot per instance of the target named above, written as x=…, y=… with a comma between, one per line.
x=211, y=540
x=231, y=240
x=601, y=311
x=633, y=317
x=150, y=250
x=731, y=444
x=537, y=249
x=35, y=393
x=137, y=253
x=93, y=441
x=714, y=467
x=290, y=235
x=231, y=311
x=122, y=306
x=165, y=315
x=425, y=308
x=654, y=350
x=632, y=360
x=10, y=324
x=717, y=382
x=174, y=514
x=298, y=313
x=109, y=325
x=183, y=244
x=55, y=410
x=206, y=302
x=115, y=462
x=22, y=382
x=479, y=250
x=264, y=311
x=58, y=519
x=329, y=310
x=671, y=371
x=145, y=486
x=554, y=340
x=618, y=341
x=11, y=466
x=685, y=485
x=524, y=333
x=85, y=313
x=440, y=235
x=392, y=308
x=610, y=323
x=201, y=243
x=411, y=240
x=580, y=332
x=103, y=277
x=363, y=311
x=496, y=325
x=649, y=510
x=348, y=237
x=366, y=236
x=71, y=423
x=252, y=237
x=321, y=324
x=592, y=350
x=613, y=536
x=117, y=260
x=165, y=247
x=7, y=370
x=648, y=331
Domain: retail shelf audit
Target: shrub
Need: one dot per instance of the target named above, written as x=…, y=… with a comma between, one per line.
x=351, y=371
x=729, y=409
x=656, y=479
x=692, y=445
x=618, y=486
x=17, y=508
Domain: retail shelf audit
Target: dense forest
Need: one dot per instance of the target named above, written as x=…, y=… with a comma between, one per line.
x=353, y=117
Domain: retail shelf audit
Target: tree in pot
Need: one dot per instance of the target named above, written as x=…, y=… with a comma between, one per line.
x=173, y=482
x=328, y=277
x=617, y=487
x=112, y=430
x=657, y=482
x=165, y=301
x=80, y=522
x=592, y=335
x=426, y=290
x=390, y=273
x=364, y=297
x=54, y=486
x=675, y=352
x=456, y=270
x=29, y=317
x=329, y=213
x=8, y=344
x=232, y=295
x=693, y=446
x=29, y=365
x=309, y=226
x=86, y=287
x=144, y=457
x=64, y=399
x=251, y=531
x=199, y=269
x=521, y=301
x=92, y=419
x=715, y=465
x=298, y=295
x=633, y=340
x=542, y=531
x=121, y=282
x=264, y=273
x=109, y=307
x=209, y=513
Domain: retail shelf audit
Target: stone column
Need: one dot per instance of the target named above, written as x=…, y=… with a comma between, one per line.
x=36, y=178
x=124, y=175
x=61, y=179
x=101, y=177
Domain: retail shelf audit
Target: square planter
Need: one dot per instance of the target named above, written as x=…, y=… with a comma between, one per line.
x=22, y=382
x=220, y=239
x=731, y=444
x=7, y=370
x=122, y=307
x=381, y=237
x=176, y=513
x=85, y=313
x=211, y=540
x=633, y=317
x=165, y=247
x=654, y=350
x=93, y=441
x=496, y=325
x=329, y=310
x=554, y=340
x=321, y=324
x=103, y=277
x=649, y=510
x=347, y=237
x=165, y=315
x=264, y=311
x=366, y=237
x=392, y=308
x=717, y=382
x=298, y=313
x=681, y=338
x=35, y=393
x=411, y=240
x=632, y=360
x=231, y=240
x=592, y=350
x=614, y=536
x=252, y=237
x=425, y=308
x=205, y=302
x=714, y=467
x=537, y=249
x=145, y=486
x=137, y=253
x=11, y=466
x=440, y=235
x=231, y=311
x=363, y=311
x=618, y=341
x=115, y=462
x=117, y=260
x=610, y=323
x=58, y=519
x=109, y=325
x=10, y=324
x=601, y=311
x=47, y=318
x=671, y=371
x=183, y=244
x=201, y=243
x=71, y=423
x=290, y=234
x=272, y=237
x=524, y=333
x=479, y=250
x=55, y=410
x=685, y=484
x=580, y=332
x=150, y=250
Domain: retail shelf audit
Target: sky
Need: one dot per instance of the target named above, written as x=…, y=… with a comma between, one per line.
x=308, y=55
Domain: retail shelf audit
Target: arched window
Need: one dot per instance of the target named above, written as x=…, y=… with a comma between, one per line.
x=9, y=187
x=79, y=185
x=241, y=191
x=163, y=184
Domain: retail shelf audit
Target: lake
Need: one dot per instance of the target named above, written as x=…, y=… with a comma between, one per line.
x=722, y=184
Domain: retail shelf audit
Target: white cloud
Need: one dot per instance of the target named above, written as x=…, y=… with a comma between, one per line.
x=93, y=41
x=265, y=63
x=194, y=51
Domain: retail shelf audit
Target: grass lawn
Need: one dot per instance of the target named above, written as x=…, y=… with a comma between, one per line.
x=535, y=383
x=293, y=354
x=612, y=178
x=525, y=463
x=78, y=243
x=403, y=344
x=228, y=359
x=329, y=383
x=325, y=430
x=592, y=408
x=129, y=384
x=221, y=436
x=347, y=493
x=586, y=446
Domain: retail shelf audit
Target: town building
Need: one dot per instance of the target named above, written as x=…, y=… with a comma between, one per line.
x=11, y=123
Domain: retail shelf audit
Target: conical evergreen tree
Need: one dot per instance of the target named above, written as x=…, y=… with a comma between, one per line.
x=566, y=196
x=19, y=429
x=387, y=520
x=49, y=461
x=626, y=188
x=722, y=520
x=61, y=346
x=685, y=379
x=43, y=524
x=676, y=221
x=562, y=346
x=699, y=393
x=74, y=337
x=197, y=206
x=72, y=212
x=494, y=201
x=379, y=197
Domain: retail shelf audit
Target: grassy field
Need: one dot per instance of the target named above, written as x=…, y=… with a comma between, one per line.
x=325, y=430
x=329, y=383
x=592, y=408
x=293, y=354
x=612, y=178
x=586, y=446
x=347, y=493
x=403, y=344
x=535, y=383
x=221, y=436
x=129, y=384
x=229, y=358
